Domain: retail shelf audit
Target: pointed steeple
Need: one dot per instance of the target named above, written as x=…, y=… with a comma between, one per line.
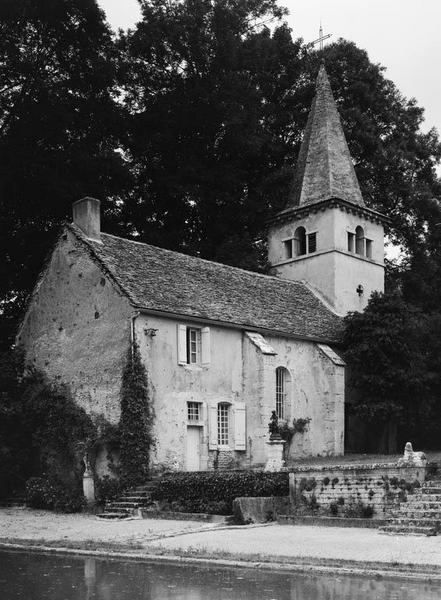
x=324, y=167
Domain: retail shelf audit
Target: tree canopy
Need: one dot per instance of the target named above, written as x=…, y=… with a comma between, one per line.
x=393, y=350
x=59, y=128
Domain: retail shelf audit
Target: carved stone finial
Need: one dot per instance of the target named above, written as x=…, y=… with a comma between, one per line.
x=411, y=458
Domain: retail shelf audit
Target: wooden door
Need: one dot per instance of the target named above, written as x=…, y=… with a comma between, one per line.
x=192, y=462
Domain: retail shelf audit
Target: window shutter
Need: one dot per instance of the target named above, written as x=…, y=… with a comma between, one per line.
x=240, y=440
x=212, y=427
x=182, y=344
x=205, y=342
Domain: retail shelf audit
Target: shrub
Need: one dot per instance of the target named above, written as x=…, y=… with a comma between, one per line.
x=368, y=511
x=358, y=510
x=107, y=488
x=432, y=470
x=215, y=491
x=333, y=509
x=41, y=492
x=307, y=485
x=136, y=420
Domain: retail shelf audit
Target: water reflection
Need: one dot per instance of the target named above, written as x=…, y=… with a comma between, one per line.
x=36, y=577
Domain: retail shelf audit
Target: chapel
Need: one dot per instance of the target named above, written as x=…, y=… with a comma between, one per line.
x=223, y=347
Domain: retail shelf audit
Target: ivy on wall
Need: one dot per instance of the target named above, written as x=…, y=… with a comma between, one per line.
x=136, y=420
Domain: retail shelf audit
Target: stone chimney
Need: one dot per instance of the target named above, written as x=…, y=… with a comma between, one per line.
x=86, y=215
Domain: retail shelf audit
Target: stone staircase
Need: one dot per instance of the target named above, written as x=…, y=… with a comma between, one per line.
x=420, y=515
x=130, y=502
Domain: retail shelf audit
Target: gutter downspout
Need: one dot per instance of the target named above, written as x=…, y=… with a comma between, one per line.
x=132, y=328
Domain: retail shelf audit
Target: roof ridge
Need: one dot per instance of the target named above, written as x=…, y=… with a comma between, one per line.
x=206, y=260
x=80, y=235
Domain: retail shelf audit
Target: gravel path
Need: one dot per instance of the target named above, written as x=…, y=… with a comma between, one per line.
x=341, y=543
x=40, y=524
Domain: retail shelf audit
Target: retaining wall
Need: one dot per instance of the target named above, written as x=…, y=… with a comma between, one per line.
x=380, y=486
x=259, y=510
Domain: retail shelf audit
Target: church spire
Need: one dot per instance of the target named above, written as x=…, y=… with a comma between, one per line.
x=324, y=167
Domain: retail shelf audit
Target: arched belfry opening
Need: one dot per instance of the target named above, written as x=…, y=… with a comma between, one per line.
x=359, y=240
x=300, y=241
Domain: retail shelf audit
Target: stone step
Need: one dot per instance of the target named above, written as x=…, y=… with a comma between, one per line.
x=400, y=530
x=135, y=497
x=431, y=489
x=410, y=522
x=411, y=513
x=114, y=515
x=113, y=508
x=423, y=505
x=126, y=505
x=147, y=487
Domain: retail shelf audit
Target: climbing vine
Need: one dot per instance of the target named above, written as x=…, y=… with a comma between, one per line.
x=136, y=420
x=287, y=431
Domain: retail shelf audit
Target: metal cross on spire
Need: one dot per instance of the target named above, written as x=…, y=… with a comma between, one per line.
x=320, y=39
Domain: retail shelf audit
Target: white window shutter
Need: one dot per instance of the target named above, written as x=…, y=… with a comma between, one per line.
x=205, y=342
x=212, y=427
x=240, y=440
x=182, y=344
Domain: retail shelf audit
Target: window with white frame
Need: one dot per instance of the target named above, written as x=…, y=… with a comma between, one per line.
x=223, y=424
x=282, y=386
x=193, y=411
x=193, y=345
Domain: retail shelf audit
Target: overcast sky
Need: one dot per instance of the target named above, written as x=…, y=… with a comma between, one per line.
x=402, y=35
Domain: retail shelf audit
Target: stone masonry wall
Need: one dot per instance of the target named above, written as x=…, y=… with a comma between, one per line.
x=77, y=329
x=380, y=486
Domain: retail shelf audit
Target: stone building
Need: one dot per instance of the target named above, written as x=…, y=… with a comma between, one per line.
x=223, y=347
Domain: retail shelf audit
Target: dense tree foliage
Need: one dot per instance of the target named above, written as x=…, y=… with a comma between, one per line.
x=207, y=89
x=59, y=128
x=393, y=350
x=42, y=431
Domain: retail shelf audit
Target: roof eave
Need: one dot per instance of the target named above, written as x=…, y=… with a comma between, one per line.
x=233, y=325
x=295, y=213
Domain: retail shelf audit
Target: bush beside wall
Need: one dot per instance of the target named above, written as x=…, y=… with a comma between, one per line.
x=48, y=494
x=214, y=491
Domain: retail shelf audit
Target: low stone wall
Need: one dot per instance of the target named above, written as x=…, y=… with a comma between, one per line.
x=353, y=490
x=259, y=510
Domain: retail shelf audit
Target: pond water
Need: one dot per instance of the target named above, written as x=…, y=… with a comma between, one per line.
x=26, y=576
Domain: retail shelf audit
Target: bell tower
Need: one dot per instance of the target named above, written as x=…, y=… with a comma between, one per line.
x=326, y=236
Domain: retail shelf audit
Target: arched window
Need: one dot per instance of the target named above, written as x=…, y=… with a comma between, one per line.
x=223, y=424
x=283, y=380
x=300, y=241
x=359, y=240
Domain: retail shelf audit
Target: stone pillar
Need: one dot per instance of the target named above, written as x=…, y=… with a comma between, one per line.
x=88, y=483
x=274, y=461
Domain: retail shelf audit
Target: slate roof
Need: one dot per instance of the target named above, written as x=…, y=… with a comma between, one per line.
x=169, y=282
x=324, y=167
